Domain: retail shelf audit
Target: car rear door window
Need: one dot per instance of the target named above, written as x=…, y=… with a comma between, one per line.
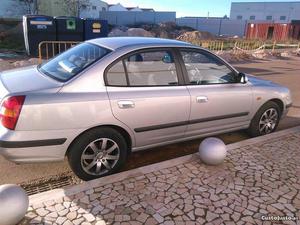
x=116, y=75
x=203, y=68
x=151, y=68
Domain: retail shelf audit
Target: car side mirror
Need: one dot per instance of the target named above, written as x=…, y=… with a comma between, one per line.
x=242, y=78
x=167, y=59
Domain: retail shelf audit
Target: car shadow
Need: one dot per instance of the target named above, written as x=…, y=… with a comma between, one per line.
x=159, y=154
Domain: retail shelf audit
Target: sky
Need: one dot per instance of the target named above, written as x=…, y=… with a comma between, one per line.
x=187, y=7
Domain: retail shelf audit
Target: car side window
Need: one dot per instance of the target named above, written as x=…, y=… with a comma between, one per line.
x=116, y=75
x=151, y=68
x=203, y=68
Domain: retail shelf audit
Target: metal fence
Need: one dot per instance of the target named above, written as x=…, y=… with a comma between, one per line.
x=244, y=45
x=49, y=49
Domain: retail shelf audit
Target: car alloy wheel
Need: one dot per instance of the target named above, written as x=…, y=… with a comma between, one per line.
x=268, y=121
x=100, y=156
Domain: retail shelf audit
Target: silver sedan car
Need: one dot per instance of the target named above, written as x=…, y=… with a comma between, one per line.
x=105, y=98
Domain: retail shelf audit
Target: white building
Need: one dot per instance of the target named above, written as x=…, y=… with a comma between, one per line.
x=117, y=7
x=93, y=9
x=282, y=12
x=120, y=8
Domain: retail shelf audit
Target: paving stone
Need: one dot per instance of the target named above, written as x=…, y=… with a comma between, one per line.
x=67, y=222
x=59, y=207
x=158, y=218
x=200, y=212
x=31, y=215
x=78, y=221
x=42, y=212
x=72, y=215
x=63, y=212
x=101, y=222
x=142, y=217
x=89, y=217
x=211, y=216
x=67, y=204
x=60, y=220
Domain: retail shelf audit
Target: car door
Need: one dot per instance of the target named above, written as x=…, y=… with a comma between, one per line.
x=147, y=94
x=219, y=101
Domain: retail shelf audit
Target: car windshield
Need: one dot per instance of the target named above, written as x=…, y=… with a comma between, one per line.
x=70, y=63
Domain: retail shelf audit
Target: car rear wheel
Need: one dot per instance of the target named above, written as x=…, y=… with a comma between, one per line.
x=97, y=153
x=265, y=120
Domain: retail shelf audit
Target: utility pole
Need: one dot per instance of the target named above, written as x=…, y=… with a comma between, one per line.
x=78, y=7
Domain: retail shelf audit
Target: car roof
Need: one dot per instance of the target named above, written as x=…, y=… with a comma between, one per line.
x=114, y=43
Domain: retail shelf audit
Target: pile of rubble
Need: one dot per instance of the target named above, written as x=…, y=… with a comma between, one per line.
x=131, y=32
x=11, y=64
x=193, y=36
x=240, y=56
x=231, y=56
x=163, y=30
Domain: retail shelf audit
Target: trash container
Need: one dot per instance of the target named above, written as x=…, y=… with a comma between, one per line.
x=37, y=28
x=94, y=28
x=69, y=28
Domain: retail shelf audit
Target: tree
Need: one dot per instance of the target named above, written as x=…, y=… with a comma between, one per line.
x=73, y=7
x=30, y=6
x=25, y=6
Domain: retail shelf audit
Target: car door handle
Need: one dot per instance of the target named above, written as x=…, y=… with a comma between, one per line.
x=126, y=104
x=201, y=99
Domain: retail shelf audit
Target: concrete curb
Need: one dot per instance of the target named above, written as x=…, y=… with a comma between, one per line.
x=62, y=192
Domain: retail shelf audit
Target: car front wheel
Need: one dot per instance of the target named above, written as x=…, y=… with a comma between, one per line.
x=265, y=120
x=97, y=153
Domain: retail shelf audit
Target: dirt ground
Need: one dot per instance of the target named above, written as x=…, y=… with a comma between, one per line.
x=285, y=72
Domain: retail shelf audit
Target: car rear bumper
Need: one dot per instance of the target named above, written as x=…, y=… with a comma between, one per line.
x=35, y=146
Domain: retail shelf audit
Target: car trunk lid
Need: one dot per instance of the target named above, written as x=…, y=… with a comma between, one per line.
x=25, y=80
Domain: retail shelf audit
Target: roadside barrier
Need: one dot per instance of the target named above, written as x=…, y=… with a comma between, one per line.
x=245, y=46
x=49, y=49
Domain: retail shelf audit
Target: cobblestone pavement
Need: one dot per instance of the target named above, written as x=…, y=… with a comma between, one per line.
x=254, y=181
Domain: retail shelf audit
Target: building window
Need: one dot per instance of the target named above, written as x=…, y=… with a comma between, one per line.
x=252, y=17
x=282, y=17
x=94, y=7
x=83, y=6
x=269, y=18
x=239, y=17
x=103, y=9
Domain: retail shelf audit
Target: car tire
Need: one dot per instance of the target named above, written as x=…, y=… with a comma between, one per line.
x=265, y=120
x=97, y=153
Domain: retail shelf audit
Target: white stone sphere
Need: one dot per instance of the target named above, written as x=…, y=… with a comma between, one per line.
x=212, y=151
x=14, y=203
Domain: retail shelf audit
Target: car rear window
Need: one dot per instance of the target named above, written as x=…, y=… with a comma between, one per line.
x=68, y=64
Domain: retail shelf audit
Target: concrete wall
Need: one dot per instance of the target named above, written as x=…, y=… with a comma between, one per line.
x=216, y=26
x=131, y=17
x=290, y=10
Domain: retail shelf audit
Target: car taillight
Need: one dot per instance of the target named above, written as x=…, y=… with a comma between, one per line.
x=10, y=111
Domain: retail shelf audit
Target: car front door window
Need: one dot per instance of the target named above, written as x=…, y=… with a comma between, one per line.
x=203, y=68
